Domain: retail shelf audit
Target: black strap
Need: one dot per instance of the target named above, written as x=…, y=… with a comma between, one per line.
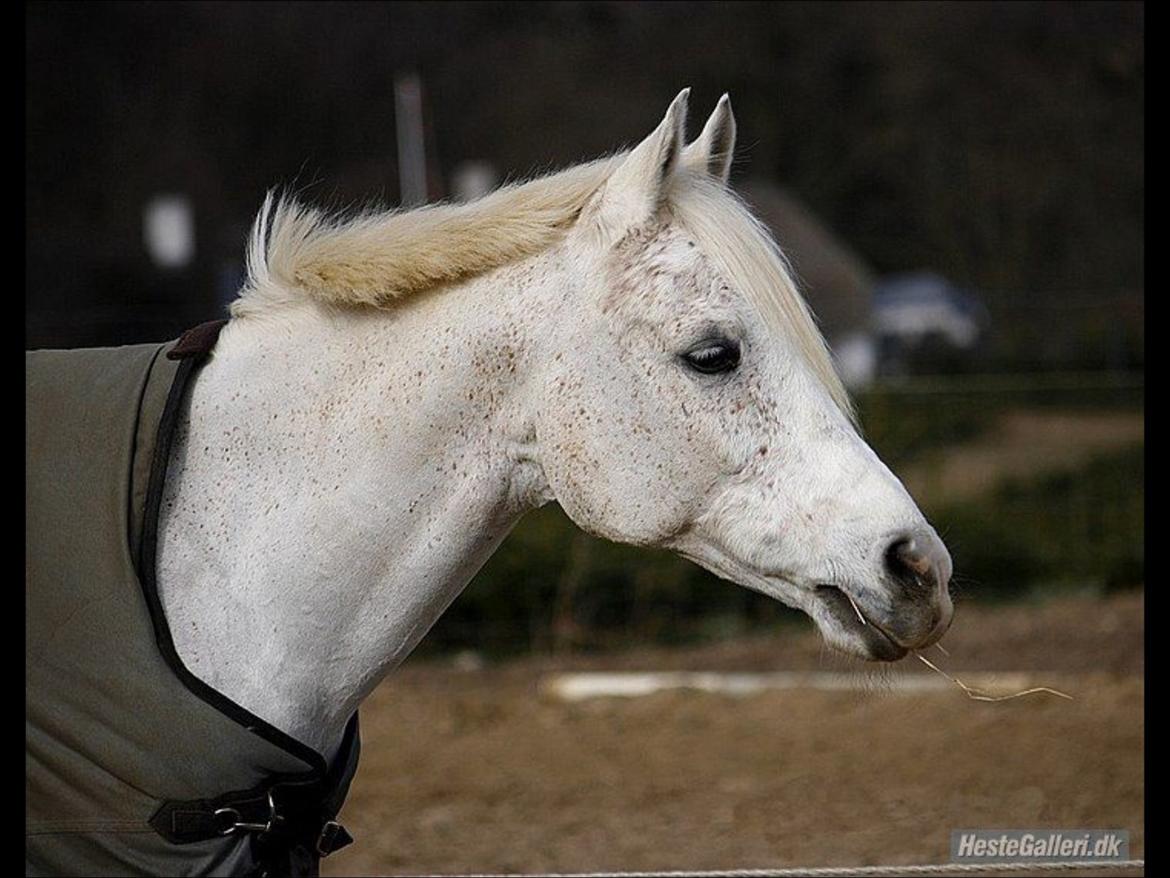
x=290, y=818
x=289, y=821
x=191, y=350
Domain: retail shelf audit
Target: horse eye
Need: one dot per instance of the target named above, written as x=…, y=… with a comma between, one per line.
x=713, y=356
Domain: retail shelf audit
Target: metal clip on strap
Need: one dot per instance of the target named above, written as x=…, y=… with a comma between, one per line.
x=331, y=837
x=239, y=824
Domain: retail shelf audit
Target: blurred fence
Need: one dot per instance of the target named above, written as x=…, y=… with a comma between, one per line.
x=1064, y=511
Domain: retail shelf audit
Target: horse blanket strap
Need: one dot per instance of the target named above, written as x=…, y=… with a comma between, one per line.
x=133, y=765
x=288, y=821
x=197, y=341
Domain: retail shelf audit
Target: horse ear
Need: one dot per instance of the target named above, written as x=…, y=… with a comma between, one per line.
x=713, y=149
x=634, y=192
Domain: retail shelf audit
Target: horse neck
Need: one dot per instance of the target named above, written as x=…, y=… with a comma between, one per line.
x=338, y=480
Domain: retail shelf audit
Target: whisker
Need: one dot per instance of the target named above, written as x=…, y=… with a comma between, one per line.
x=856, y=608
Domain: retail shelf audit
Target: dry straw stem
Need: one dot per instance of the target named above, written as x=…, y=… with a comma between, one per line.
x=971, y=692
x=978, y=694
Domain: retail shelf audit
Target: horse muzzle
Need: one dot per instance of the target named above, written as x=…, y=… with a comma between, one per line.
x=912, y=608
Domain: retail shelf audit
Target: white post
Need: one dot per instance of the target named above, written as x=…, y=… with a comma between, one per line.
x=168, y=231
x=412, y=158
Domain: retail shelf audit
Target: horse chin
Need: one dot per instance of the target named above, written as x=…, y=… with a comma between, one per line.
x=846, y=629
x=838, y=618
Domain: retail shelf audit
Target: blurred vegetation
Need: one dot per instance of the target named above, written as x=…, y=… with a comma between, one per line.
x=903, y=421
x=1080, y=529
x=624, y=596
x=552, y=588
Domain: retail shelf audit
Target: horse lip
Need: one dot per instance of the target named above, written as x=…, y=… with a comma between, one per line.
x=827, y=590
x=888, y=648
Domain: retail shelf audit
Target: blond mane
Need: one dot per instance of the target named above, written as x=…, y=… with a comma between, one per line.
x=375, y=259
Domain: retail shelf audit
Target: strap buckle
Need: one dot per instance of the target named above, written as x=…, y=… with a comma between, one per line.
x=331, y=837
x=238, y=823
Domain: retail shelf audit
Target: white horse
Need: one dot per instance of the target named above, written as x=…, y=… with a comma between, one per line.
x=395, y=391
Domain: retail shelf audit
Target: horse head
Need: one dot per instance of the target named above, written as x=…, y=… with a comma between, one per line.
x=690, y=403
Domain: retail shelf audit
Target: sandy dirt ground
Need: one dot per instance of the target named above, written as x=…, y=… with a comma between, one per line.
x=482, y=770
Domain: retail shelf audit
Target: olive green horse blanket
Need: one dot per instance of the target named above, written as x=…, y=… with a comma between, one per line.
x=134, y=766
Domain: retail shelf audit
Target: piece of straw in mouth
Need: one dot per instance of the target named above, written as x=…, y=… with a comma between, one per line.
x=978, y=694
x=970, y=691
x=856, y=608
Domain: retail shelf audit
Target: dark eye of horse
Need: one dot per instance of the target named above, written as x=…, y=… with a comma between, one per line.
x=713, y=356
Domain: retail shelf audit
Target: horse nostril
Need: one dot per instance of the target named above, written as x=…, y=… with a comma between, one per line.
x=916, y=561
x=918, y=572
x=906, y=553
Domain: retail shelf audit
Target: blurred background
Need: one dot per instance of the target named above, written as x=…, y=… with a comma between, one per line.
x=960, y=189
